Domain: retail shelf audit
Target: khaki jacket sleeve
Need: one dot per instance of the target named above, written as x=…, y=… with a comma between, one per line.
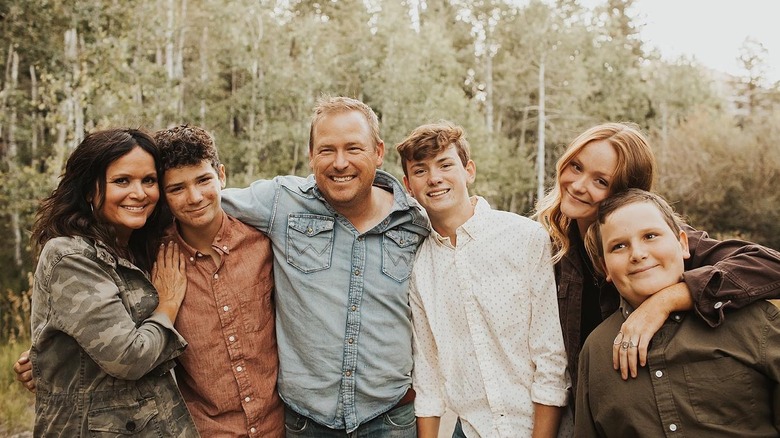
x=86, y=303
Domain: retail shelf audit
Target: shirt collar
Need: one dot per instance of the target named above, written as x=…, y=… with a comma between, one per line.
x=223, y=241
x=473, y=226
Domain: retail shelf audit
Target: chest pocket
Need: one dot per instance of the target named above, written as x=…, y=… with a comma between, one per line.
x=136, y=419
x=398, y=248
x=309, y=245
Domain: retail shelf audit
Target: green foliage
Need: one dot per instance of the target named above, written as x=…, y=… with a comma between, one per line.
x=17, y=404
x=250, y=71
x=724, y=176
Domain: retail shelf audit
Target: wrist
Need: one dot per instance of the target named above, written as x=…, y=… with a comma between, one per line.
x=169, y=308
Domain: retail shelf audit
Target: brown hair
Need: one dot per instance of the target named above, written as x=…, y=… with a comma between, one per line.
x=186, y=145
x=67, y=211
x=429, y=140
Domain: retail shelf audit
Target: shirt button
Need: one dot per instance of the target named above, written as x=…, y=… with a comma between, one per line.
x=130, y=426
x=199, y=254
x=225, y=308
x=351, y=340
x=192, y=259
x=357, y=271
x=232, y=339
x=348, y=373
x=360, y=238
x=224, y=248
x=673, y=427
x=252, y=430
x=659, y=373
x=239, y=368
x=718, y=305
x=354, y=308
x=216, y=276
x=677, y=318
x=246, y=399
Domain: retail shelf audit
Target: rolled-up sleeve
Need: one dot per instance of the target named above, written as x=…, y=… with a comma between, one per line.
x=550, y=382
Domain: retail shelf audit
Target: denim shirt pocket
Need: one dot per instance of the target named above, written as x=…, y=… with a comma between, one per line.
x=309, y=241
x=398, y=248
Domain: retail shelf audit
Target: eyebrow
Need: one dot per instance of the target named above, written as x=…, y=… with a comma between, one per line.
x=129, y=174
x=421, y=163
x=176, y=184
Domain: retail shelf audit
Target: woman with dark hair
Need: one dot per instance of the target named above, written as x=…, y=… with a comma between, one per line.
x=103, y=341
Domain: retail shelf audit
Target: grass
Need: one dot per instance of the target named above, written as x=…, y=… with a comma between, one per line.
x=17, y=405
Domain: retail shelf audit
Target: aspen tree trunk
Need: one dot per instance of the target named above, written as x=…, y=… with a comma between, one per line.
x=204, y=73
x=523, y=127
x=137, y=88
x=540, y=135
x=9, y=89
x=75, y=114
x=170, y=19
x=252, y=159
x=34, y=118
x=67, y=109
x=257, y=103
x=4, y=93
x=489, y=91
x=178, y=66
x=232, y=110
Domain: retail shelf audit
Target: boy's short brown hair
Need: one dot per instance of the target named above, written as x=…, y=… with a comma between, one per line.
x=429, y=140
x=186, y=145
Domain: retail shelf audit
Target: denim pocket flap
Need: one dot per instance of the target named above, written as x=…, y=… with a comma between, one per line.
x=403, y=238
x=310, y=225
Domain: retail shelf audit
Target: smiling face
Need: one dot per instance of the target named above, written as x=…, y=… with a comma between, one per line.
x=131, y=192
x=440, y=184
x=193, y=193
x=586, y=181
x=344, y=158
x=642, y=254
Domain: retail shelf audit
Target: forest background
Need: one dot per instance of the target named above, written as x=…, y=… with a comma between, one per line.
x=523, y=78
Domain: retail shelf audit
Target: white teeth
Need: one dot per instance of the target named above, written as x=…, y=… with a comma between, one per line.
x=342, y=178
x=440, y=192
x=133, y=208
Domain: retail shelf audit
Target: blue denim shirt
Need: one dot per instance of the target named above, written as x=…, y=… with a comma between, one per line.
x=343, y=320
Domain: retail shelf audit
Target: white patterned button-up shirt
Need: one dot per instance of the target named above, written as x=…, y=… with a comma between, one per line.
x=488, y=341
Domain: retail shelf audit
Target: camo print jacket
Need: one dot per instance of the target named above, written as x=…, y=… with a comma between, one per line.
x=101, y=357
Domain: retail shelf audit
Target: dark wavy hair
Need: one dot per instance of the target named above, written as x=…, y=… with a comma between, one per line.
x=186, y=145
x=67, y=211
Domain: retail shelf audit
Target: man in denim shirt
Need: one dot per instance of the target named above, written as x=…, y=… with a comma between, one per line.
x=344, y=241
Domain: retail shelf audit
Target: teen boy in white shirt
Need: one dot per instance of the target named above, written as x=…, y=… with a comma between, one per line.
x=488, y=341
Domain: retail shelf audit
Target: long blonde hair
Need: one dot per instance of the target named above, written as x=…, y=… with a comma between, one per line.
x=634, y=170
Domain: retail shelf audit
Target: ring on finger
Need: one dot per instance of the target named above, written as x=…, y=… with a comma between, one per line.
x=631, y=344
x=618, y=339
x=624, y=345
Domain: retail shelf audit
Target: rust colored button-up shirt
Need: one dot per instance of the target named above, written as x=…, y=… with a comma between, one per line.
x=228, y=373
